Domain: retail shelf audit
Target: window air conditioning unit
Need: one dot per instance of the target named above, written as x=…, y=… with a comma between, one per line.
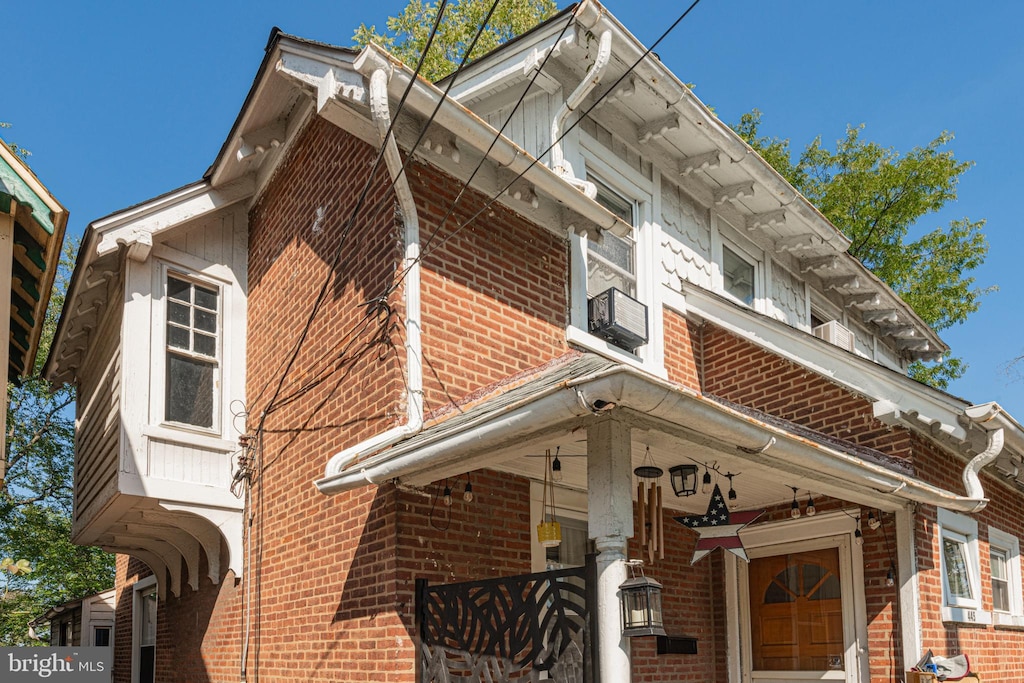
x=835, y=333
x=619, y=318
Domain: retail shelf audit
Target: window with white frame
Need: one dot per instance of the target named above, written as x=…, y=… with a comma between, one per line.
x=961, y=571
x=612, y=261
x=738, y=276
x=1005, y=578
x=192, y=345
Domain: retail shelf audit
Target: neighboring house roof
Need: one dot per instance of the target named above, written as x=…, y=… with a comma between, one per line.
x=39, y=224
x=106, y=596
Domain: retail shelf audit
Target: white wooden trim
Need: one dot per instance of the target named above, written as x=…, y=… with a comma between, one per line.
x=6, y=262
x=1011, y=544
x=910, y=594
x=137, y=588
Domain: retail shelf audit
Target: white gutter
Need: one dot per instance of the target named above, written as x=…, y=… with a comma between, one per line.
x=1002, y=431
x=589, y=82
x=379, y=72
x=623, y=387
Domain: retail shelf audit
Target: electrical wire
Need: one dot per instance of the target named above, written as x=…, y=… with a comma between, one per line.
x=318, y=303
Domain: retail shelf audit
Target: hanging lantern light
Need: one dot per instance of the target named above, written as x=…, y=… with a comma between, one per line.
x=684, y=479
x=641, y=604
x=549, y=532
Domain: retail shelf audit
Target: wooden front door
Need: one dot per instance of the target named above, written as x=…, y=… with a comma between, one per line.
x=796, y=614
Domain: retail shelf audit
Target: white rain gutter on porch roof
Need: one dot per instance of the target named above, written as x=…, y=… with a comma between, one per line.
x=624, y=387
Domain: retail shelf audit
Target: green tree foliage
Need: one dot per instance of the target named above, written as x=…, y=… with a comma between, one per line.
x=36, y=496
x=20, y=151
x=878, y=197
x=406, y=33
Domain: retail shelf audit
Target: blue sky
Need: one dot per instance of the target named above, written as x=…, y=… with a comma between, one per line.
x=122, y=101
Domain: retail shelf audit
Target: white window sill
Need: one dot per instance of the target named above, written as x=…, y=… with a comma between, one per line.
x=966, y=615
x=187, y=436
x=1008, y=621
x=580, y=337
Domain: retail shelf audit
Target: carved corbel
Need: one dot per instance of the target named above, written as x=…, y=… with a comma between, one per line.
x=734, y=193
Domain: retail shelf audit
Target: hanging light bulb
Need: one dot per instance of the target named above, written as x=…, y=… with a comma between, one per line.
x=890, y=577
x=467, y=493
x=794, y=509
x=858, y=536
x=810, y=509
x=447, y=495
x=873, y=522
x=556, y=467
x=705, y=482
x=732, y=491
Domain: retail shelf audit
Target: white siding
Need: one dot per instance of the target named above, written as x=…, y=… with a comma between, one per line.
x=686, y=240
x=99, y=418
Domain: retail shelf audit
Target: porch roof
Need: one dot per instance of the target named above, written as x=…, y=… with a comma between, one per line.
x=569, y=394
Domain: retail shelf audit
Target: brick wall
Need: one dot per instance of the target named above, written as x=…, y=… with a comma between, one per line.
x=335, y=575
x=995, y=652
x=739, y=371
x=681, y=350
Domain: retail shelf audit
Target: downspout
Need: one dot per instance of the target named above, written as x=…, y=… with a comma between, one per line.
x=379, y=72
x=589, y=82
x=1001, y=430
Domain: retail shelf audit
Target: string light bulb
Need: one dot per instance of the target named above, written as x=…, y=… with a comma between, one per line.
x=873, y=522
x=705, y=482
x=467, y=493
x=794, y=509
x=810, y=509
x=556, y=467
x=858, y=535
x=732, y=491
x=447, y=495
x=890, y=577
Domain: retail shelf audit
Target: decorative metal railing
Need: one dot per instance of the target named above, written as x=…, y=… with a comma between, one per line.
x=531, y=627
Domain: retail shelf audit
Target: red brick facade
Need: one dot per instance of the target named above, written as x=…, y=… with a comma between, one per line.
x=331, y=578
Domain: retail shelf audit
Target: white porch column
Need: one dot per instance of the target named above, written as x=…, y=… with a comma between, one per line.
x=610, y=519
x=910, y=596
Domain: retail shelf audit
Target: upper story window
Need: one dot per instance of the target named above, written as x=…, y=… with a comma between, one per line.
x=738, y=276
x=193, y=329
x=612, y=262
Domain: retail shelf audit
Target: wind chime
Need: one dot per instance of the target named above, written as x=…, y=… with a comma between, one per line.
x=648, y=500
x=549, y=532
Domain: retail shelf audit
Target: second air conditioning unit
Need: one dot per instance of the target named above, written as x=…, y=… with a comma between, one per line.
x=835, y=333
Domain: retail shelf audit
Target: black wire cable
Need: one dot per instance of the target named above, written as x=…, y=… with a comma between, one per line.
x=383, y=203
x=583, y=114
x=318, y=303
x=429, y=245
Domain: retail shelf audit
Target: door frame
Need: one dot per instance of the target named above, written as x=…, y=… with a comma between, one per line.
x=825, y=530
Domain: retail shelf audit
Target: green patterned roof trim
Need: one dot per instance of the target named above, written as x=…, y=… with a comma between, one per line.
x=12, y=186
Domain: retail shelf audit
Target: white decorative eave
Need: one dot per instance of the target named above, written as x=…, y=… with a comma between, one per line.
x=861, y=376
x=136, y=227
x=454, y=127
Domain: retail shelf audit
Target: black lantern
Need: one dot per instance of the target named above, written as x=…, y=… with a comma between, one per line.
x=641, y=607
x=684, y=479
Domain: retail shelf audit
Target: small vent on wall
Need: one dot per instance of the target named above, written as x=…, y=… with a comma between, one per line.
x=834, y=333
